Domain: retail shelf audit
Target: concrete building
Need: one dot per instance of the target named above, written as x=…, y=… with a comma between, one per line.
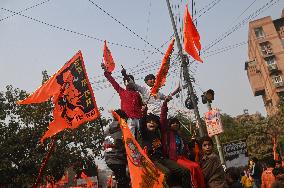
x=265, y=65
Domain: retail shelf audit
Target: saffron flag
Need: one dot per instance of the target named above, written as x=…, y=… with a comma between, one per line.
x=143, y=172
x=72, y=95
x=191, y=37
x=108, y=60
x=163, y=71
x=88, y=180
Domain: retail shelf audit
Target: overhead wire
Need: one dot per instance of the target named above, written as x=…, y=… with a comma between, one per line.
x=123, y=25
x=148, y=20
x=72, y=31
x=244, y=11
x=141, y=63
x=240, y=24
x=31, y=7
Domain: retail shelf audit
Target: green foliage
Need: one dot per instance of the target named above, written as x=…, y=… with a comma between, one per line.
x=258, y=132
x=21, y=154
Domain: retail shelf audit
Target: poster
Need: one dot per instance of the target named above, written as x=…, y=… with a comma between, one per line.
x=213, y=122
x=235, y=153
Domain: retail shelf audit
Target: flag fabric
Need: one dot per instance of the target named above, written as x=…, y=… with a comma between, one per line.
x=191, y=39
x=163, y=71
x=88, y=180
x=72, y=95
x=108, y=60
x=143, y=172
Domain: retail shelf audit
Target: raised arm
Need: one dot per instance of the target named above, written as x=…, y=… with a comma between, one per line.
x=137, y=87
x=109, y=77
x=164, y=115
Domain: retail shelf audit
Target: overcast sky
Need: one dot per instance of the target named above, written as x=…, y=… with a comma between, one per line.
x=29, y=46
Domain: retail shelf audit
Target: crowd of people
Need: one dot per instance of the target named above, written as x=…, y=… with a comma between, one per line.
x=159, y=135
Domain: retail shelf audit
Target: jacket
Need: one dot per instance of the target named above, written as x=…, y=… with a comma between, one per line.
x=114, y=145
x=170, y=150
x=131, y=101
x=213, y=171
x=169, y=137
x=246, y=182
x=267, y=178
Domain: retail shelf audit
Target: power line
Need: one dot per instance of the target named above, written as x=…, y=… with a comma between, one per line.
x=147, y=68
x=244, y=11
x=148, y=20
x=74, y=32
x=242, y=23
x=214, y=4
x=126, y=27
x=31, y=7
x=141, y=62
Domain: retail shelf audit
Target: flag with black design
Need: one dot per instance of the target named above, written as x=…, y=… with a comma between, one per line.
x=72, y=95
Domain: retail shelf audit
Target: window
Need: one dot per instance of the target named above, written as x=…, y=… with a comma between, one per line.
x=270, y=60
x=277, y=79
x=259, y=33
x=266, y=48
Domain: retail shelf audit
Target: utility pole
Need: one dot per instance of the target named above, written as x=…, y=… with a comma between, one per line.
x=218, y=143
x=186, y=76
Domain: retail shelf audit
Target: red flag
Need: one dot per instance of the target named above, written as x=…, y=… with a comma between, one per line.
x=164, y=68
x=72, y=95
x=191, y=37
x=143, y=172
x=108, y=60
x=88, y=180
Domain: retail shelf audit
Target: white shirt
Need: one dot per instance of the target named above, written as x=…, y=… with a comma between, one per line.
x=154, y=104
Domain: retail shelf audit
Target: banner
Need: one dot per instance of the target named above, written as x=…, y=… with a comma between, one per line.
x=236, y=153
x=163, y=71
x=213, y=122
x=143, y=172
x=72, y=95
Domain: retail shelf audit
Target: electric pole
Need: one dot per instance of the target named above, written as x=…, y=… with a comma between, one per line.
x=184, y=60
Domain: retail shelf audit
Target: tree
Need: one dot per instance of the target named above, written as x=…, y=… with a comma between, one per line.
x=22, y=126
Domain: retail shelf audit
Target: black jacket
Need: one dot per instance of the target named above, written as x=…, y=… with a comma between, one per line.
x=114, y=145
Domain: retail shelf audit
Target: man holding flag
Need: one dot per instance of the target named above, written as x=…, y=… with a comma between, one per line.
x=151, y=95
x=131, y=101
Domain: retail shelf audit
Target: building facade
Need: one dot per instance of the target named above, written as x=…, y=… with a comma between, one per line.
x=265, y=65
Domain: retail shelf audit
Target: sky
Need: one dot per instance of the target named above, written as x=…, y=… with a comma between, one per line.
x=48, y=35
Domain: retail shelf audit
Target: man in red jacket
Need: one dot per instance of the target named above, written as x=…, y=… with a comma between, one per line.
x=131, y=102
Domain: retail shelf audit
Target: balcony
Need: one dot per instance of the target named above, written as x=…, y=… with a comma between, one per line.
x=278, y=84
x=273, y=69
x=258, y=91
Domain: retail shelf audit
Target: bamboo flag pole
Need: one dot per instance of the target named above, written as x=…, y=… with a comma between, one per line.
x=44, y=162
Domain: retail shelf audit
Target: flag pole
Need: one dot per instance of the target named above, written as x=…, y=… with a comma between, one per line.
x=44, y=162
x=186, y=75
x=101, y=123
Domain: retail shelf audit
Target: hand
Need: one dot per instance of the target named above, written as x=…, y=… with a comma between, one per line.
x=123, y=72
x=104, y=67
x=168, y=98
x=144, y=109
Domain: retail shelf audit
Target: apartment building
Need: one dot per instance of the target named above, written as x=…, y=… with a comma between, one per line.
x=265, y=65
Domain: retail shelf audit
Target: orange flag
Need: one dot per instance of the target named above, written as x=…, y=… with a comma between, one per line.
x=72, y=95
x=89, y=181
x=108, y=60
x=164, y=68
x=143, y=172
x=191, y=37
